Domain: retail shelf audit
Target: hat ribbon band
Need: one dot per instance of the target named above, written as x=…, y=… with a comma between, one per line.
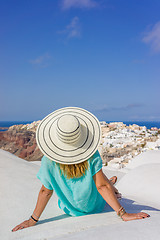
x=69, y=138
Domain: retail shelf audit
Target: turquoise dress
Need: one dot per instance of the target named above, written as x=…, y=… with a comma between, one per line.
x=76, y=196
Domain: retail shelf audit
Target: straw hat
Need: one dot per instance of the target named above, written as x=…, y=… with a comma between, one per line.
x=69, y=135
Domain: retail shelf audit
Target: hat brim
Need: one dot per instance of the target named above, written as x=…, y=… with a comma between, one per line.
x=64, y=153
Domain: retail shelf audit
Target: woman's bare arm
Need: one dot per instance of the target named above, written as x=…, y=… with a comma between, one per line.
x=43, y=198
x=113, y=187
x=107, y=192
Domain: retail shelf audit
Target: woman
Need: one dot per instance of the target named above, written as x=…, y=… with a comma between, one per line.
x=72, y=167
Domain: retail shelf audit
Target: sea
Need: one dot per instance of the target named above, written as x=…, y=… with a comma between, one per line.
x=144, y=123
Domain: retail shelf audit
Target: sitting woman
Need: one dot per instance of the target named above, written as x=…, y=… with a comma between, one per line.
x=72, y=167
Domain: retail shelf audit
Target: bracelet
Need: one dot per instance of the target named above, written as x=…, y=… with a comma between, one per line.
x=121, y=212
x=35, y=215
x=36, y=220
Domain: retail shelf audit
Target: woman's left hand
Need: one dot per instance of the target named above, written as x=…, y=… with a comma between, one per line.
x=25, y=224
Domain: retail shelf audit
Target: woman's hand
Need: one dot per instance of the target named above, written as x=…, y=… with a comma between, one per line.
x=134, y=216
x=43, y=198
x=25, y=224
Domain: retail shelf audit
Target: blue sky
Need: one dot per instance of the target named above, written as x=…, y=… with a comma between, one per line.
x=103, y=56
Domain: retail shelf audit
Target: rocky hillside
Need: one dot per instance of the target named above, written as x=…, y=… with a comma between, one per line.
x=20, y=140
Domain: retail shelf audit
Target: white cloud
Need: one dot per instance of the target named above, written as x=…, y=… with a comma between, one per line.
x=41, y=60
x=122, y=108
x=152, y=37
x=72, y=30
x=67, y=4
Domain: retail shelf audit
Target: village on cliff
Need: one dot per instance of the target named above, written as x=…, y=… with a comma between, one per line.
x=119, y=143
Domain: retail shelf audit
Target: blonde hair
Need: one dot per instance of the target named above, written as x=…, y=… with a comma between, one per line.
x=73, y=170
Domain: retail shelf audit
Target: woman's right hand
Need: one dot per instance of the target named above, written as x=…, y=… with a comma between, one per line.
x=28, y=223
x=134, y=216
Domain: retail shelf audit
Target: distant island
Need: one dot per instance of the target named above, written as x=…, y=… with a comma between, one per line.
x=4, y=128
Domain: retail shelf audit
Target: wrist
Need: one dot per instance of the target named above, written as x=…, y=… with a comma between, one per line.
x=35, y=216
x=125, y=217
x=121, y=212
x=31, y=222
x=34, y=219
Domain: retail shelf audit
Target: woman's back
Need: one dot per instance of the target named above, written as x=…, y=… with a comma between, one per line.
x=77, y=196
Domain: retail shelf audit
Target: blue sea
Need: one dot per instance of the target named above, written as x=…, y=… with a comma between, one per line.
x=147, y=123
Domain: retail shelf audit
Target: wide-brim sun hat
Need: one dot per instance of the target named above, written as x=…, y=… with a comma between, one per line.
x=69, y=135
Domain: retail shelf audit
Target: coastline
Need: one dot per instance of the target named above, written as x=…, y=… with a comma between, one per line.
x=148, y=124
x=119, y=142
